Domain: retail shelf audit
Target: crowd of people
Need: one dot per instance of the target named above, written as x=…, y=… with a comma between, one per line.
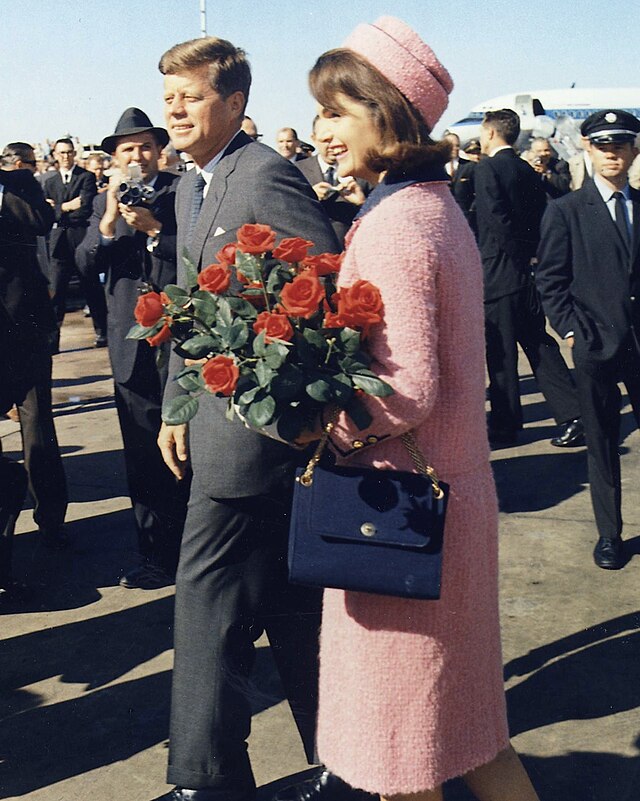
x=487, y=243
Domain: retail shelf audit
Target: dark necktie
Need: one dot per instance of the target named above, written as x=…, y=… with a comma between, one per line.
x=67, y=178
x=196, y=203
x=330, y=176
x=621, y=217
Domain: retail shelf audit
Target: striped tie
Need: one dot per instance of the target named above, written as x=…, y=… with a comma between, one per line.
x=196, y=204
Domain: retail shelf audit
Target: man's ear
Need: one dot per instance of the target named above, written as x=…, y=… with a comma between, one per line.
x=237, y=102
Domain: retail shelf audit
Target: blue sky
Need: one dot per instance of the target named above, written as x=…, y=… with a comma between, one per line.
x=76, y=65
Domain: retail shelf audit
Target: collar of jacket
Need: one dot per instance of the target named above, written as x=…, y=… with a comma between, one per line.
x=397, y=181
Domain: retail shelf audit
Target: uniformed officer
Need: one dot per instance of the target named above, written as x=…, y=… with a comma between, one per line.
x=589, y=278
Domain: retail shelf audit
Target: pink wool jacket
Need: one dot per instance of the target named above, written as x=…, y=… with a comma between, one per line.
x=411, y=692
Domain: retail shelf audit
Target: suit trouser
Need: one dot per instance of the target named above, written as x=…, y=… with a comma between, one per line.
x=13, y=487
x=47, y=481
x=61, y=268
x=597, y=383
x=159, y=500
x=518, y=319
x=231, y=585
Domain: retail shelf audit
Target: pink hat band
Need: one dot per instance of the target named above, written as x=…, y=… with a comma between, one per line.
x=397, y=51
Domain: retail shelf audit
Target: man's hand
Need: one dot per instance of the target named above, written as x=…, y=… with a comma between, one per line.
x=322, y=189
x=570, y=341
x=71, y=205
x=172, y=441
x=111, y=213
x=140, y=218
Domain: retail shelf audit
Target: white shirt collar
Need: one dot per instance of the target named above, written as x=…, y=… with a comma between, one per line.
x=606, y=191
x=323, y=164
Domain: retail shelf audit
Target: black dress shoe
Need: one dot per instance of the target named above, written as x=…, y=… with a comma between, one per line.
x=608, y=553
x=183, y=794
x=571, y=435
x=55, y=538
x=100, y=341
x=326, y=786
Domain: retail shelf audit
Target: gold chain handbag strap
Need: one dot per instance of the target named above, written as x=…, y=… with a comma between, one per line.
x=408, y=439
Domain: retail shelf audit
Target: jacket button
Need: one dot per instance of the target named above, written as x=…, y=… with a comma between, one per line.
x=633, y=297
x=358, y=443
x=372, y=439
x=368, y=529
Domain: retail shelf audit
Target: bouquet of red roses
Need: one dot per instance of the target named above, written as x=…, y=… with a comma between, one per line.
x=270, y=331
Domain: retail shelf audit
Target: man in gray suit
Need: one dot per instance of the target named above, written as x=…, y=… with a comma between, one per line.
x=231, y=583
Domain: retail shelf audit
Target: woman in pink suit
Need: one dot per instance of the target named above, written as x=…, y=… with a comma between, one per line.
x=411, y=692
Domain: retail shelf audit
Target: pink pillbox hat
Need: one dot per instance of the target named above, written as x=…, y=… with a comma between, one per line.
x=397, y=51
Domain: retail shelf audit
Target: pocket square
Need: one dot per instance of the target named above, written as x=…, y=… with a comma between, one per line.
x=219, y=231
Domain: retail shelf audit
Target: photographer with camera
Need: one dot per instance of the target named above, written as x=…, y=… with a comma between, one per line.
x=132, y=239
x=554, y=172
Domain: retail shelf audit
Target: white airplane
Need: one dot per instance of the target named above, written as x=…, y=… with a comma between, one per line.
x=558, y=105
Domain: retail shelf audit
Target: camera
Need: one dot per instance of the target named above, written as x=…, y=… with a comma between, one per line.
x=132, y=190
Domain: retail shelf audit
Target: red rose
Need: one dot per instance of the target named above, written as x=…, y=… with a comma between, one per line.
x=163, y=335
x=324, y=263
x=275, y=326
x=292, y=249
x=228, y=254
x=215, y=278
x=302, y=296
x=148, y=309
x=165, y=299
x=220, y=375
x=360, y=305
x=333, y=320
x=256, y=238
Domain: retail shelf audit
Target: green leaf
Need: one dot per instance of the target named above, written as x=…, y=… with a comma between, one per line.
x=259, y=345
x=179, y=410
x=372, y=385
x=341, y=389
x=250, y=266
x=162, y=357
x=224, y=311
x=190, y=269
x=264, y=374
x=140, y=332
x=351, y=365
x=260, y=412
x=350, y=340
x=359, y=414
x=320, y=390
x=190, y=379
x=242, y=308
x=276, y=355
x=176, y=294
x=248, y=396
x=315, y=338
x=278, y=277
x=288, y=383
x=206, y=309
x=200, y=346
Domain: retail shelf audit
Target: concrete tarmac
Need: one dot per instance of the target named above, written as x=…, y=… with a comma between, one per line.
x=85, y=664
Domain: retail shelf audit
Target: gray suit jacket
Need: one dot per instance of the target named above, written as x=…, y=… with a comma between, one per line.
x=251, y=184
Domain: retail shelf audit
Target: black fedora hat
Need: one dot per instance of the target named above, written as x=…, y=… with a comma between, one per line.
x=133, y=121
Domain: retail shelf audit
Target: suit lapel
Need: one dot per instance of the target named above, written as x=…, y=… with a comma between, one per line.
x=606, y=227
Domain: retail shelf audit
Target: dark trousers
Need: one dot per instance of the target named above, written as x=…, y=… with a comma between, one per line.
x=13, y=487
x=599, y=395
x=61, y=267
x=47, y=481
x=231, y=586
x=159, y=500
x=513, y=320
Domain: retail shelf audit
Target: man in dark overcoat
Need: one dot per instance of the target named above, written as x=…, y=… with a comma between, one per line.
x=135, y=246
x=588, y=276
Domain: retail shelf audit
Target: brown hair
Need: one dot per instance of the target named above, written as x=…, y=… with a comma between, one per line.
x=229, y=70
x=505, y=122
x=405, y=141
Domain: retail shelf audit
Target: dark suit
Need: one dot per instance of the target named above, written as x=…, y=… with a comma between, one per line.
x=556, y=181
x=509, y=205
x=29, y=322
x=159, y=502
x=232, y=582
x=464, y=192
x=69, y=230
x=339, y=210
x=589, y=282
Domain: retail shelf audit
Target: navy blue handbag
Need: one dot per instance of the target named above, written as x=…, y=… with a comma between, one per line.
x=368, y=530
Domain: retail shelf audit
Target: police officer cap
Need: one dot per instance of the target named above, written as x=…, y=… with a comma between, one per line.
x=610, y=125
